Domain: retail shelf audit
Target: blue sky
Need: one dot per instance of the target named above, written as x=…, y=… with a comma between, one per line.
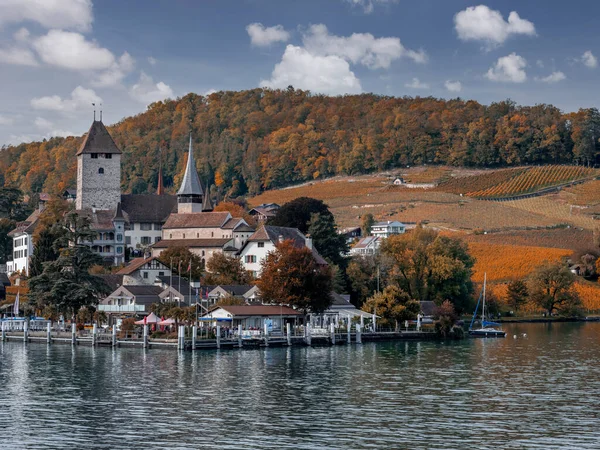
x=58, y=58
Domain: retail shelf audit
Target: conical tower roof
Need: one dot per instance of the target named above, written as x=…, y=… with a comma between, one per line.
x=98, y=140
x=191, y=183
x=118, y=213
x=207, y=204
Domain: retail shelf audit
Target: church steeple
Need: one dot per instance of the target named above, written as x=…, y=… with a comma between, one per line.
x=207, y=204
x=189, y=196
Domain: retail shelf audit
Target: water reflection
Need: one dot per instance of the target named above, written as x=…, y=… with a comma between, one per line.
x=537, y=391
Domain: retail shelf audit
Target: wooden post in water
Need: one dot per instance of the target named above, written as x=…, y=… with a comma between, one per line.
x=146, y=336
x=25, y=331
x=3, y=331
x=73, y=335
x=114, y=335
x=332, y=331
x=218, y=336
x=308, y=336
x=48, y=333
x=194, y=334
x=266, y=328
x=348, y=330
x=181, y=337
x=358, y=334
x=94, y=335
x=240, y=345
x=288, y=334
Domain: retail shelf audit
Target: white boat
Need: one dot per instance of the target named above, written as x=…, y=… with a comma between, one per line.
x=487, y=328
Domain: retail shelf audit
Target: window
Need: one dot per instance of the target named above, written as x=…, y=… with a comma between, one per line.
x=250, y=259
x=119, y=237
x=94, y=155
x=202, y=252
x=161, y=274
x=261, y=244
x=128, y=240
x=145, y=275
x=25, y=255
x=157, y=239
x=119, y=250
x=146, y=240
x=170, y=235
x=212, y=234
x=101, y=170
x=145, y=226
x=184, y=235
x=157, y=227
x=197, y=235
x=108, y=155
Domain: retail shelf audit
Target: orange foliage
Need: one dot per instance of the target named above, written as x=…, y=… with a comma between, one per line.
x=589, y=294
x=510, y=262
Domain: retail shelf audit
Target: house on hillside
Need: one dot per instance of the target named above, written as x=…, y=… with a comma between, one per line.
x=366, y=246
x=143, y=271
x=264, y=241
x=246, y=293
x=264, y=212
x=351, y=233
x=386, y=229
x=130, y=300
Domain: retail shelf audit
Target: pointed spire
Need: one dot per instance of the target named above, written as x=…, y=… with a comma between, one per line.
x=118, y=213
x=191, y=183
x=207, y=204
x=160, y=190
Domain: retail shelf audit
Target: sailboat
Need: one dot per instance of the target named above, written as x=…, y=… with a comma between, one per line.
x=487, y=328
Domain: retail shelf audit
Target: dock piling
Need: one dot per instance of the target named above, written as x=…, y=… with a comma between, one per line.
x=26, y=331
x=94, y=335
x=48, y=333
x=146, y=336
x=3, y=331
x=73, y=335
x=194, y=335
x=218, y=336
x=181, y=338
x=114, y=335
x=240, y=345
x=308, y=337
x=288, y=334
x=359, y=334
x=332, y=331
x=348, y=330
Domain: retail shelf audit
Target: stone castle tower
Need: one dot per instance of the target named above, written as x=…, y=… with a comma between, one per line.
x=98, y=170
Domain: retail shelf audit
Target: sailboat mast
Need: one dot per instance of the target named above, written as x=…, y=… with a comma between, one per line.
x=483, y=307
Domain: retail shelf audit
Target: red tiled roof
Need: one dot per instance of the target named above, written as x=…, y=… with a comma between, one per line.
x=205, y=243
x=197, y=220
x=261, y=310
x=134, y=265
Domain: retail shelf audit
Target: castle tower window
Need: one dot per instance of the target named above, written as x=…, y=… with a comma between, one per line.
x=184, y=235
x=108, y=155
x=101, y=170
x=94, y=155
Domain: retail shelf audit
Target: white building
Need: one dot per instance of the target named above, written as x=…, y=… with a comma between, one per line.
x=366, y=246
x=143, y=271
x=386, y=229
x=264, y=241
x=22, y=237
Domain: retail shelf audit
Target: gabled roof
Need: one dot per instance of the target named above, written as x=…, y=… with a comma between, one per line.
x=243, y=228
x=263, y=211
x=191, y=182
x=148, y=208
x=366, y=242
x=113, y=280
x=197, y=220
x=428, y=308
x=143, y=289
x=98, y=140
x=260, y=310
x=206, y=203
x=100, y=219
x=235, y=290
x=388, y=223
x=191, y=243
x=135, y=264
x=28, y=225
x=185, y=285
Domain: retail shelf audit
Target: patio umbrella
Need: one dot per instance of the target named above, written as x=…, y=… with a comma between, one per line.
x=151, y=318
x=167, y=322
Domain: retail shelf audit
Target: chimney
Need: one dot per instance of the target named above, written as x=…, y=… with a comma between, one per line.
x=308, y=243
x=280, y=239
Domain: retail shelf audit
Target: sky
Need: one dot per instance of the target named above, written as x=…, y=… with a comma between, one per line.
x=57, y=57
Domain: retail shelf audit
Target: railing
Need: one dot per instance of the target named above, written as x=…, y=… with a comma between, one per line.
x=122, y=308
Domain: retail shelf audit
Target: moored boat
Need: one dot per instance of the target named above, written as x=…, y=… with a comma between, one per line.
x=487, y=328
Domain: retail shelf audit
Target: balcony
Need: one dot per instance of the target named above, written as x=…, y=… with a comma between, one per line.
x=125, y=309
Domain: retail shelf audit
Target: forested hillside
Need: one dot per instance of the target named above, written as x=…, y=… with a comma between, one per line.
x=253, y=140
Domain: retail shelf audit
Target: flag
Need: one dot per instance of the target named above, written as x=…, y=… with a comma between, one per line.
x=16, y=307
x=190, y=266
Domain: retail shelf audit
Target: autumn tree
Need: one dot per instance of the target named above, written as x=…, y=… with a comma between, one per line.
x=178, y=259
x=222, y=269
x=551, y=287
x=367, y=223
x=298, y=212
x=291, y=276
x=517, y=294
x=431, y=267
x=365, y=273
x=393, y=306
x=66, y=283
x=236, y=210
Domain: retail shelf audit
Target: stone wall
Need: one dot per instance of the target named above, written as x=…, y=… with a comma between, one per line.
x=95, y=189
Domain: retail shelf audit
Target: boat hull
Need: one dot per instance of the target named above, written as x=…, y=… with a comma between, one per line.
x=487, y=333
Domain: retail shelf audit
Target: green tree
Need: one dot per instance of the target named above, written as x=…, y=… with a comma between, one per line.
x=363, y=272
x=179, y=259
x=66, y=283
x=45, y=249
x=330, y=244
x=6, y=241
x=225, y=270
x=291, y=276
x=551, y=287
x=12, y=205
x=366, y=224
x=298, y=212
x=517, y=294
x=393, y=306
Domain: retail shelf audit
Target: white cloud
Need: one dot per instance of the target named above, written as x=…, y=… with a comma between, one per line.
x=72, y=51
x=540, y=63
x=480, y=23
x=453, y=86
x=146, y=91
x=208, y=92
x=152, y=60
x=554, y=77
x=66, y=14
x=18, y=56
x=589, y=59
x=359, y=48
x=59, y=133
x=21, y=35
x=80, y=99
x=300, y=68
x=43, y=124
x=508, y=69
x=5, y=120
x=369, y=5
x=417, y=84
x=115, y=74
x=261, y=36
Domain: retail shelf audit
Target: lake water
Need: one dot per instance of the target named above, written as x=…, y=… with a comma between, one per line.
x=539, y=391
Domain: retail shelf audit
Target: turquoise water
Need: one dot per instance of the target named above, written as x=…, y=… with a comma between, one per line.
x=539, y=391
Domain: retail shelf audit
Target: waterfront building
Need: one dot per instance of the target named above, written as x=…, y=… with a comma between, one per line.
x=254, y=316
x=264, y=240
x=386, y=229
x=245, y=292
x=131, y=300
x=22, y=236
